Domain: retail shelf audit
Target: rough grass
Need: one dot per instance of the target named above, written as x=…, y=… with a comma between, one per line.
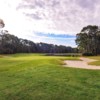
x=38, y=77
x=97, y=63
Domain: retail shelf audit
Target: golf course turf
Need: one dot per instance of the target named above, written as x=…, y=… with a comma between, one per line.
x=39, y=77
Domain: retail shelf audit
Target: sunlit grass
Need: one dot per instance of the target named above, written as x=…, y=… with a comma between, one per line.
x=39, y=77
x=97, y=63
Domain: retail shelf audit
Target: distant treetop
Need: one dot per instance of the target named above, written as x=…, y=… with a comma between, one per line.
x=2, y=24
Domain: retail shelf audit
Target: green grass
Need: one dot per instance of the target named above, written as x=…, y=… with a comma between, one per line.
x=97, y=63
x=39, y=77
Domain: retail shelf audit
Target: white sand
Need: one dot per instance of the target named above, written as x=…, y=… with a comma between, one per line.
x=81, y=64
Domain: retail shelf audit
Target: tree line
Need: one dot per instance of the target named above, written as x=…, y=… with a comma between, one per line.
x=10, y=44
x=88, y=40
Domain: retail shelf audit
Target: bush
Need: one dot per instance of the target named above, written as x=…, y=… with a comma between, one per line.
x=88, y=54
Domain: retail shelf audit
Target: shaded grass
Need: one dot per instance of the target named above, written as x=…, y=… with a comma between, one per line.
x=38, y=77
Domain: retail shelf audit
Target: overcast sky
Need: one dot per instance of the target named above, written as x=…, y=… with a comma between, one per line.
x=51, y=21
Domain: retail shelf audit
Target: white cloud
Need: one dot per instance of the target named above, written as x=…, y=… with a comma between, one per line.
x=64, y=16
x=23, y=17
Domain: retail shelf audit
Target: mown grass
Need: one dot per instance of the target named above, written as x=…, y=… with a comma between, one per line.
x=39, y=77
x=97, y=63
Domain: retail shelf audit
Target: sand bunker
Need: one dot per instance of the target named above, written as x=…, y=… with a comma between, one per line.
x=81, y=64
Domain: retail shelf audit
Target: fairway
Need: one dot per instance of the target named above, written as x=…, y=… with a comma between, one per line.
x=39, y=77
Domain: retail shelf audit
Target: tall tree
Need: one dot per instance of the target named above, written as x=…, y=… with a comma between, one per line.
x=9, y=43
x=1, y=23
x=88, y=39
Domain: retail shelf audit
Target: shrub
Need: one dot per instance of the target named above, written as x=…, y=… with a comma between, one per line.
x=88, y=54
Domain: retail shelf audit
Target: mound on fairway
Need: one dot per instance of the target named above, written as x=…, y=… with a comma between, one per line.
x=39, y=77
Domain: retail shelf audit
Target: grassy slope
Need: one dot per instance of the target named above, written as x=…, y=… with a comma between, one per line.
x=37, y=77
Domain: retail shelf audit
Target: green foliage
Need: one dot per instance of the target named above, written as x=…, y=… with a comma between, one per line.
x=10, y=44
x=88, y=40
x=88, y=54
x=38, y=77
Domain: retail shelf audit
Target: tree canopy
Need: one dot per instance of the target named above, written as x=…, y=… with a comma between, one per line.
x=88, y=40
x=10, y=44
x=1, y=23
